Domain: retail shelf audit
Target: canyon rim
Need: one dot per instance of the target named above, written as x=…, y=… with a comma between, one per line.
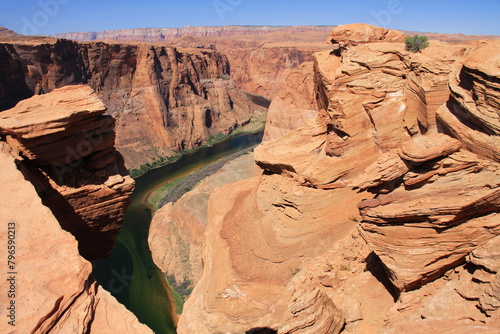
x=372, y=204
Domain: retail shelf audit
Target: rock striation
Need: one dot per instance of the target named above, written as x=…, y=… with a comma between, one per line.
x=65, y=147
x=370, y=216
x=164, y=99
x=445, y=208
x=472, y=113
x=371, y=98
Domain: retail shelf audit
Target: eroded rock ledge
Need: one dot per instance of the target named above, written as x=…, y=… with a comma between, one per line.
x=65, y=147
x=55, y=290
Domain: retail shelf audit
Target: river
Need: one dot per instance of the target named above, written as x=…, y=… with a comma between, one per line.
x=129, y=273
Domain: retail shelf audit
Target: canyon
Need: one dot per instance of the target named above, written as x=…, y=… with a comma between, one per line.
x=164, y=100
x=371, y=207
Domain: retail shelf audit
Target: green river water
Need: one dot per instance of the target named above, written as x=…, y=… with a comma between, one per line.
x=129, y=273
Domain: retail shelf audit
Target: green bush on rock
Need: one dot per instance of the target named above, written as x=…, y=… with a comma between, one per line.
x=416, y=43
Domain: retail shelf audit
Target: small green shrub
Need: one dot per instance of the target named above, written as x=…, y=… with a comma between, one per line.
x=416, y=43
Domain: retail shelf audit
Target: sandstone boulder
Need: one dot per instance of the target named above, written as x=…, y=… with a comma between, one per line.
x=364, y=33
x=425, y=148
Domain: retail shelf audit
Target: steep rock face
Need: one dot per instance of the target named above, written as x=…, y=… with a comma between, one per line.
x=472, y=114
x=65, y=145
x=294, y=105
x=260, y=64
x=54, y=289
x=164, y=100
x=264, y=70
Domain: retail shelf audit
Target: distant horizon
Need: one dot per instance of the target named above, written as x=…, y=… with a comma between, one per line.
x=248, y=25
x=51, y=17
x=268, y=25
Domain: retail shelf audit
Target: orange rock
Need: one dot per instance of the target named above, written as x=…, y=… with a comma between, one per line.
x=177, y=229
x=66, y=148
x=424, y=217
x=425, y=148
x=364, y=33
x=254, y=244
x=295, y=105
x=472, y=113
x=54, y=289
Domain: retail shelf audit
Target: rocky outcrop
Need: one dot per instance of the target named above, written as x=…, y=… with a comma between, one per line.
x=419, y=214
x=364, y=33
x=472, y=113
x=65, y=147
x=164, y=99
x=52, y=287
x=4, y=32
x=356, y=209
x=371, y=100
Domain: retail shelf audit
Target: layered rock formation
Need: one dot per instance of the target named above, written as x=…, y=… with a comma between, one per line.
x=164, y=99
x=65, y=145
x=367, y=217
x=372, y=98
x=261, y=57
x=177, y=229
x=419, y=212
x=472, y=114
x=167, y=34
x=52, y=289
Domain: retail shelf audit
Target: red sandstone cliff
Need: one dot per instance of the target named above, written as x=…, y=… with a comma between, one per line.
x=367, y=218
x=59, y=171
x=167, y=34
x=164, y=99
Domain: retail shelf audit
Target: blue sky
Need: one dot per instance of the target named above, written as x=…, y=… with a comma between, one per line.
x=55, y=16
